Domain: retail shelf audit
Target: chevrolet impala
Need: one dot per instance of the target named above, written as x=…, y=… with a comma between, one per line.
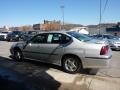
x=68, y=49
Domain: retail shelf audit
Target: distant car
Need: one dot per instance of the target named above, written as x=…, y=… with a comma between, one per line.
x=104, y=41
x=3, y=35
x=28, y=35
x=71, y=50
x=14, y=36
x=118, y=37
x=114, y=41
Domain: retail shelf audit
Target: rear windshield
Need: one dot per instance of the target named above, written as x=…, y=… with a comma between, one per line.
x=5, y=32
x=79, y=36
x=16, y=32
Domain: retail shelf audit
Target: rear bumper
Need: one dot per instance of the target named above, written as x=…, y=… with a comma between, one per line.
x=11, y=51
x=3, y=37
x=91, y=62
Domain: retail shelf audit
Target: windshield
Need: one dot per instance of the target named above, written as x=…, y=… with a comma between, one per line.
x=16, y=32
x=79, y=36
x=32, y=32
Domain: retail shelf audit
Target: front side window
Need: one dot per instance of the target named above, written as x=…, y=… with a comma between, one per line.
x=42, y=38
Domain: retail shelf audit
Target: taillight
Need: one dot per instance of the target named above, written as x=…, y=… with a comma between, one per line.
x=104, y=50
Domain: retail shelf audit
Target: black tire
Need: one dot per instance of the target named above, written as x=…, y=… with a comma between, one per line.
x=8, y=40
x=18, y=56
x=73, y=63
x=17, y=39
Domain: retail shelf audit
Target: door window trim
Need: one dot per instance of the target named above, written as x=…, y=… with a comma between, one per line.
x=30, y=41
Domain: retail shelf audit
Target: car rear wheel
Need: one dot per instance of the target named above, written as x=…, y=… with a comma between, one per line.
x=71, y=64
x=8, y=40
x=18, y=56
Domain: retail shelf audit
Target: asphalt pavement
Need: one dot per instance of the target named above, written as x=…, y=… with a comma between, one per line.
x=41, y=76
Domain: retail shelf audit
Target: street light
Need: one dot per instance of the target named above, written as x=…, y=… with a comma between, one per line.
x=62, y=8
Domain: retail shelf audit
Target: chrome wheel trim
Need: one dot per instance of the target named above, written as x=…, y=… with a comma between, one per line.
x=18, y=55
x=71, y=64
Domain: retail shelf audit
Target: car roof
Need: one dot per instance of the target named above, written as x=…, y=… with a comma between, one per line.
x=60, y=31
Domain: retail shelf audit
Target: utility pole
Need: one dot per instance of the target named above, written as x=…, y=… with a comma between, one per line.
x=100, y=16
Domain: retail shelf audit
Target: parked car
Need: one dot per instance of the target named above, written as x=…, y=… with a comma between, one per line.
x=118, y=37
x=3, y=35
x=114, y=41
x=14, y=36
x=28, y=35
x=69, y=49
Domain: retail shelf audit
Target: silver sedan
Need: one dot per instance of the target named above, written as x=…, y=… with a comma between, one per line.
x=69, y=49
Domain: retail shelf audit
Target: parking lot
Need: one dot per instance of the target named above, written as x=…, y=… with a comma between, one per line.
x=51, y=77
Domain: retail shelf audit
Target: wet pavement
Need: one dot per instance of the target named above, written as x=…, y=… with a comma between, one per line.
x=31, y=75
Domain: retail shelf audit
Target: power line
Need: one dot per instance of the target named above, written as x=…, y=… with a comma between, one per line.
x=106, y=3
x=102, y=12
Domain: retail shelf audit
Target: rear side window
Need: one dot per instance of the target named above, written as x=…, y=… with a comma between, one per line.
x=58, y=38
x=65, y=39
x=54, y=38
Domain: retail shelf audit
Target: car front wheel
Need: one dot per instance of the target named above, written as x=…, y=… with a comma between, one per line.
x=18, y=55
x=71, y=64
